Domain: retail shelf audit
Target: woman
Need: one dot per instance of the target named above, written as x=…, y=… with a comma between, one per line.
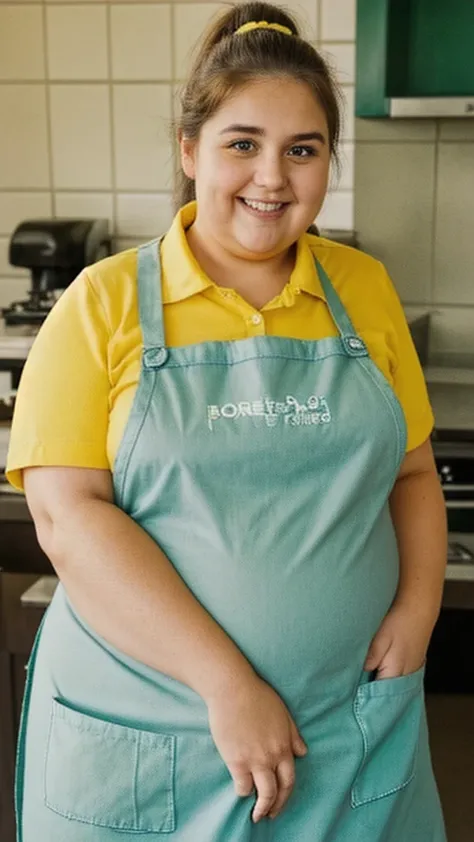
x=224, y=443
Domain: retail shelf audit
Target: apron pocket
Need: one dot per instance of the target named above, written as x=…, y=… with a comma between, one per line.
x=109, y=775
x=388, y=712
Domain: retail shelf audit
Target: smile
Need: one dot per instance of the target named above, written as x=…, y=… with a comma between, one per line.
x=263, y=207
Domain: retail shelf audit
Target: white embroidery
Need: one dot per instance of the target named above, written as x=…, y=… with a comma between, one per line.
x=291, y=411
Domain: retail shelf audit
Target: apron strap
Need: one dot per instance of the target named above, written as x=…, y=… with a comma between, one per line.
x=353, y=345
x=150, y=301
x=150, y=296
x=336, y=307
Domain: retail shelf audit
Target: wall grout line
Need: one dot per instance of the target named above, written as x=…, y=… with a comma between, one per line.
x=49, y=117
x=174, y=85
x=434, y=218
x=113, y=157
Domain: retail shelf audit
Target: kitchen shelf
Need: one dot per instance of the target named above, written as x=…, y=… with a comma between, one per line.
x=414, y=58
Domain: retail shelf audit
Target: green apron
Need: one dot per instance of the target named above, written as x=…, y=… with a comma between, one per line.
x=262, y=467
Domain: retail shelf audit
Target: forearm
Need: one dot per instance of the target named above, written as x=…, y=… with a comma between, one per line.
x=123, y=585
x=419, y=516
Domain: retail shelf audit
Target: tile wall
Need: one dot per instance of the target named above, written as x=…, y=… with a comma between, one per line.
x=87, y=97
x=414, y=209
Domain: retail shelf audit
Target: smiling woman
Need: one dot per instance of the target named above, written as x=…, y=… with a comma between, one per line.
x=223, y=439
x=260, y=180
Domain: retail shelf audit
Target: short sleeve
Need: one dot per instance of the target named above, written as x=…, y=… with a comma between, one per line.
x=62, y=407
x=408, y=378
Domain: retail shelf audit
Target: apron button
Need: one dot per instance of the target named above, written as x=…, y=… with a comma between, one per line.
x=156, y=357
x=355, y=343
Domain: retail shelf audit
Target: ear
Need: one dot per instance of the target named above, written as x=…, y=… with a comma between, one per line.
x=187, y=149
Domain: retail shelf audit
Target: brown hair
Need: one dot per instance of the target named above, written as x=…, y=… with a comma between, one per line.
x=226, y=61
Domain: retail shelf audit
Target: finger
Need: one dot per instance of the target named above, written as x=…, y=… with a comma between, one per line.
x=267, y=790
x=377, y=651
x=297, y=743
x=243, y=783
x=285, y=773
x=390, y=667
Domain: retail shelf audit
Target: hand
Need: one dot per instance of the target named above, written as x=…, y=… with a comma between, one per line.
x=257, y=740
x=401, y=643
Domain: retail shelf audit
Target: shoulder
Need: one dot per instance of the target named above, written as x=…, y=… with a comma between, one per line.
x=113, y=280
x=344, y=262
x=113, y=272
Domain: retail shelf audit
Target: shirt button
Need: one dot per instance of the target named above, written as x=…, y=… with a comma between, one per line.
x=256, y=319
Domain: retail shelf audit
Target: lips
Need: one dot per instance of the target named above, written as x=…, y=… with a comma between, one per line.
x=268, y=207
x=264, y=210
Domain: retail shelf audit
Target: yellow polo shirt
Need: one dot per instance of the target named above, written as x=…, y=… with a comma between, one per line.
x=82, y=372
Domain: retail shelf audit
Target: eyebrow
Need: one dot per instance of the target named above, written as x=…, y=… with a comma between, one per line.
x=238, y=128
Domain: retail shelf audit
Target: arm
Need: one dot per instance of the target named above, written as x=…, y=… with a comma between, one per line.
x=129, y=592
x=123, y=585
x=419, y=517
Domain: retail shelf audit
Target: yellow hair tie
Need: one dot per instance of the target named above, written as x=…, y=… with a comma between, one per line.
x=262, y=24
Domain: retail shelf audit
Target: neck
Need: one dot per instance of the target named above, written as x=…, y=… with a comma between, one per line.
x=257, y=281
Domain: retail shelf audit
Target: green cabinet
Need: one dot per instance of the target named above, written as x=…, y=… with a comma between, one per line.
x=415, y=58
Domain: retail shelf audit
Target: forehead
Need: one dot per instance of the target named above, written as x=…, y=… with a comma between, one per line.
x=265, y=102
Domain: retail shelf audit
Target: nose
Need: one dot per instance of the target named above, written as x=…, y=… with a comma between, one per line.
x=270, y=172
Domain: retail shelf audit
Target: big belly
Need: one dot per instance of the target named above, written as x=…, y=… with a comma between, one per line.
x=303, y=617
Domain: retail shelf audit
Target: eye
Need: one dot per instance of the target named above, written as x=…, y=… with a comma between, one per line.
x=242, y=145
x=302, y=151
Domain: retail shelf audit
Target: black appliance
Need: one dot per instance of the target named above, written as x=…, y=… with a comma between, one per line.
x=55, y=251
x=450, y=665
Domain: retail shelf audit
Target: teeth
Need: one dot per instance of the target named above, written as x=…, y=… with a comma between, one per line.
x=264, y=206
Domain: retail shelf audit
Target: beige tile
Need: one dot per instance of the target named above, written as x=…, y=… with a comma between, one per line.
x=23, y=140
x=77, y=42
x=141, y=41
x=394, y=194
x=454, y=251
x=142, y=137
x=395, y=130
x=80, y=126
x=143, y=215
x=337, y=211
x=189, y=24
x=21, y=42
x=348, y=127
x=75, y=2
x=13, y=289
x=176, y=103
x=307, y=16
x=5, y=266
x=125, y=243
x=451, y=330
x=338, y=20
x=345, y=181
x=341, y=58
x=17, y=207
x=456, y=129
x=85, y=206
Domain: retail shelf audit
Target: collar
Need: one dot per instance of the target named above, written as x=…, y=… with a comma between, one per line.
x=183, y=277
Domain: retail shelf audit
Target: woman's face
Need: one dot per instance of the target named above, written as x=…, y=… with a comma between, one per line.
x=261, y=167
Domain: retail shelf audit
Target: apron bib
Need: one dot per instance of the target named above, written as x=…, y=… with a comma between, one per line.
x=262, y=468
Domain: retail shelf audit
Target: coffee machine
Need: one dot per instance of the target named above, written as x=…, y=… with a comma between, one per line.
x=54, y=251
